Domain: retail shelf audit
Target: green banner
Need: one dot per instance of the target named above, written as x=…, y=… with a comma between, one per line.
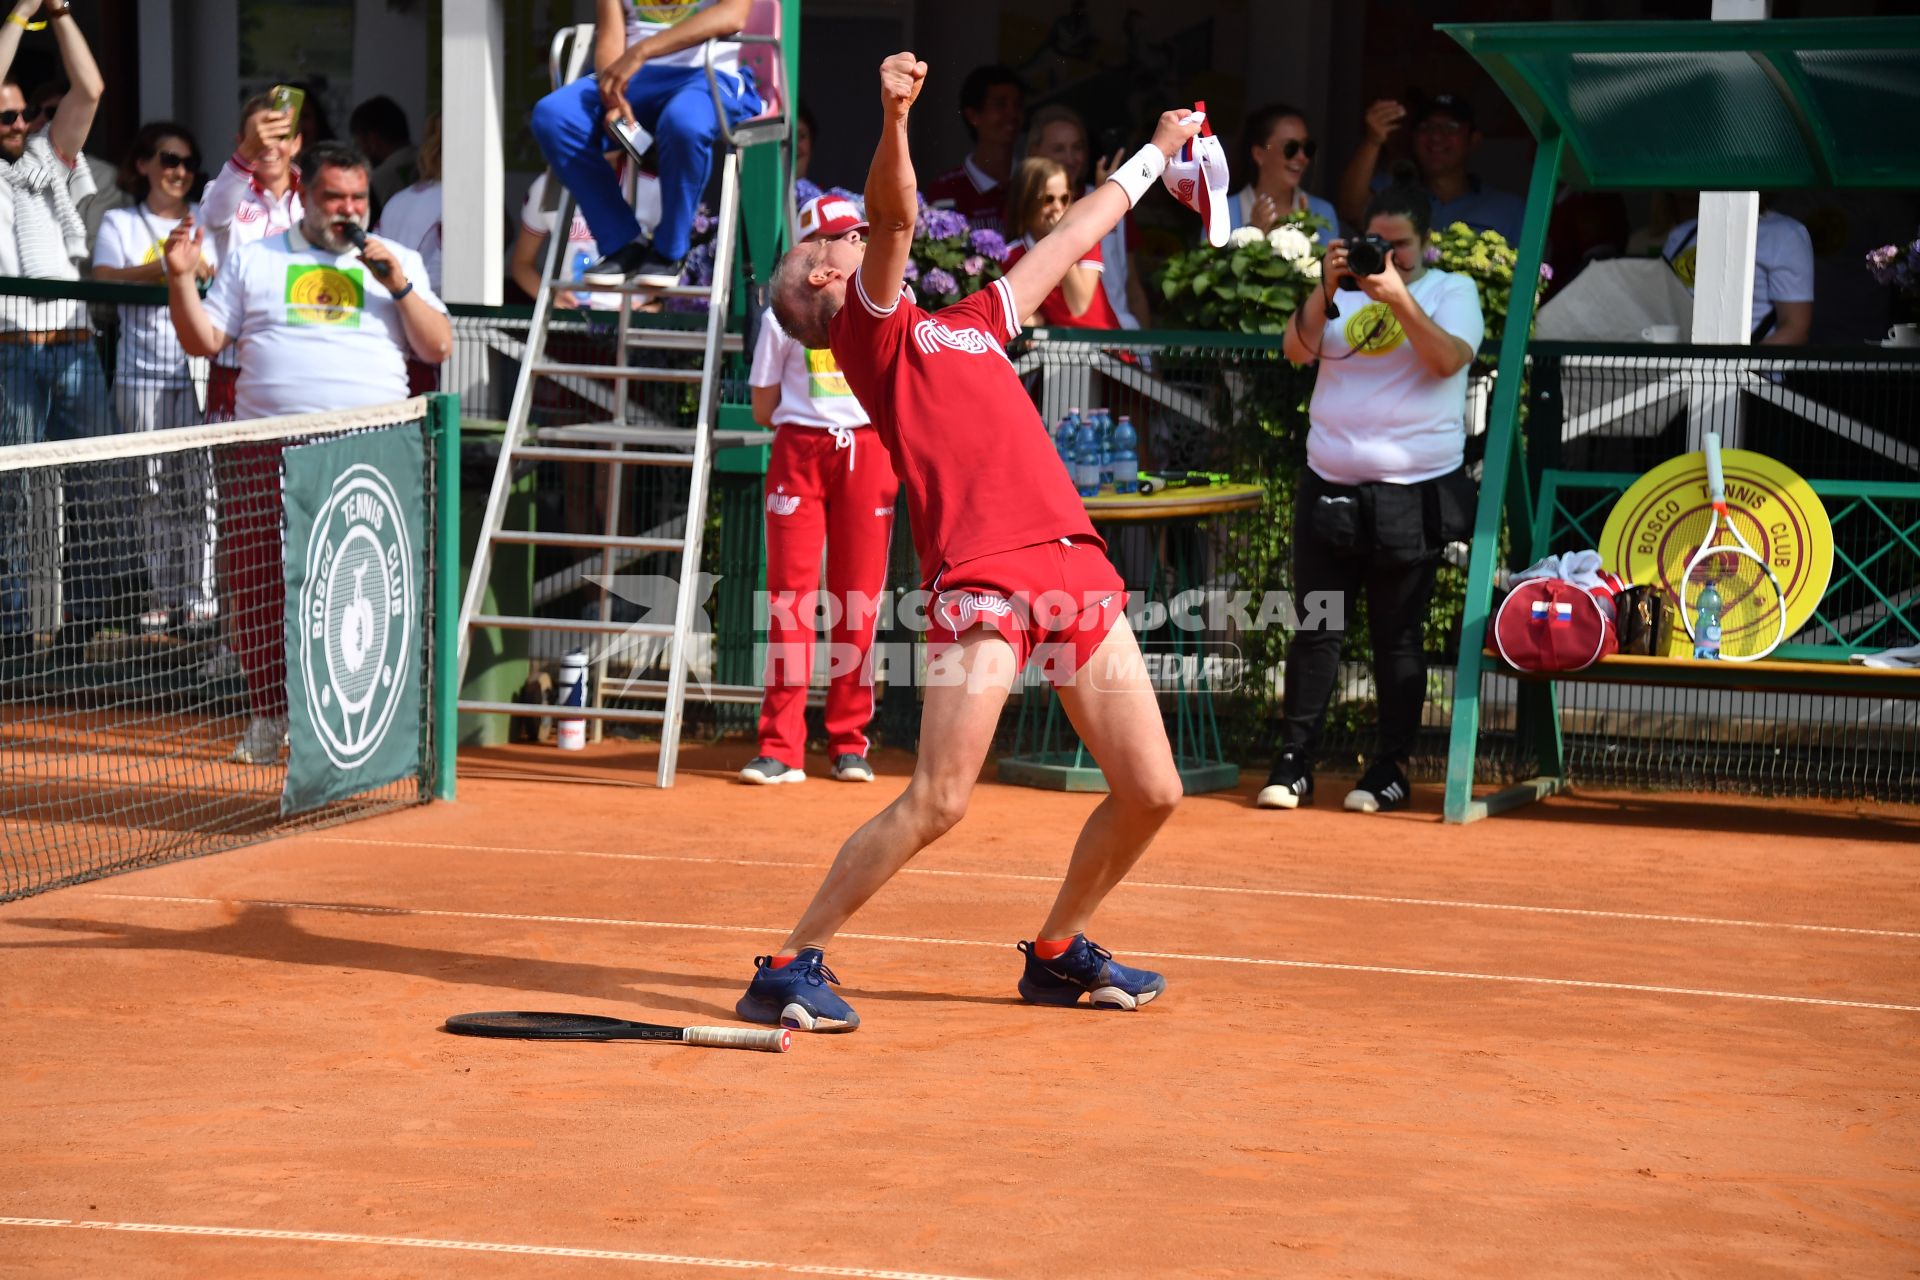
x=356, y=596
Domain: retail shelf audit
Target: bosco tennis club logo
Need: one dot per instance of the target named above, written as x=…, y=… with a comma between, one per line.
x=357, y=615
x=324, y=296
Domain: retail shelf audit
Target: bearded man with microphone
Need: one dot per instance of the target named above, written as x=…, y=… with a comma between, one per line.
x=323, y=316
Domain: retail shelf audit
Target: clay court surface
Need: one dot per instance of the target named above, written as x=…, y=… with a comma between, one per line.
x=1611, y=1036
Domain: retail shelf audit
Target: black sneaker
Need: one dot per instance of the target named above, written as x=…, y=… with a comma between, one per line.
x=612, y=271
x=656, y=272
x=765, y=771
x=850, y=767
x=1289, y=786
x=1381, y=789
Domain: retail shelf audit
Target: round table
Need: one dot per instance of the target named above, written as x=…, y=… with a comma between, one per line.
x=1046, y=751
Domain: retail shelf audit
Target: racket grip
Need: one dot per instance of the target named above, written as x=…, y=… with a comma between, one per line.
x=775, y=1041
x=1716, y=480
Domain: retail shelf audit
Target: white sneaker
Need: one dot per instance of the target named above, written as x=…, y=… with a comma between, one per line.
x=262, y=741
x=852, y=767
x=765, y=771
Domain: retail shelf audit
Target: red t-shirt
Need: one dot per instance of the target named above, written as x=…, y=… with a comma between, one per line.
x=958, y=190
x=1054, y=310
x=977, y=467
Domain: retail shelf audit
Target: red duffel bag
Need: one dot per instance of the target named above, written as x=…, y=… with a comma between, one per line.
x=1550, y=624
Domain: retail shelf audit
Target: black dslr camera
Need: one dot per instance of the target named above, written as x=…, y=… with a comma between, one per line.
x=1367, y=255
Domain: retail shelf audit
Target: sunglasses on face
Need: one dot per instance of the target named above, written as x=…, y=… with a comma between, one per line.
x=174, y=160
x=28, y=114
x=1294, y=146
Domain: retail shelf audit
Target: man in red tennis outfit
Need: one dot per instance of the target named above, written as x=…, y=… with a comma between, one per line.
x=1014, y=564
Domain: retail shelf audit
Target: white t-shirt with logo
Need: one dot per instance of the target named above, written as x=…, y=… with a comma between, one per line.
x=1782, y=260
x=149, y=350
x=1379, y=414
x=644, y=20
x=412, y=218
x=813, y=391
x=315, y=330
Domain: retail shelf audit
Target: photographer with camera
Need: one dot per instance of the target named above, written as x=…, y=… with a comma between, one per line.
x=1384, y=488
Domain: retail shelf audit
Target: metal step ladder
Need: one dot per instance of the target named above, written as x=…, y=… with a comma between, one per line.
x=630, y=437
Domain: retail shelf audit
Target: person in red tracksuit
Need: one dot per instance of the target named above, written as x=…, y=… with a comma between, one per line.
x=830, y=480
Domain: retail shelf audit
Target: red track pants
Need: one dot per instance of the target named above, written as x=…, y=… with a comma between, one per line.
x=252, y=571
x=837, y=489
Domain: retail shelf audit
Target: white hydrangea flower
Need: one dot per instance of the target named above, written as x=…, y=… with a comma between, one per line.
x=1310, y=268
x=1243, y=236
x=1290, y=242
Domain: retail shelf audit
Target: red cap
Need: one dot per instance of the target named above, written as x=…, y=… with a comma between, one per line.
x=829, y=216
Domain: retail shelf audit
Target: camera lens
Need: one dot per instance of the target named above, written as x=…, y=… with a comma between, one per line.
x=1367, y=256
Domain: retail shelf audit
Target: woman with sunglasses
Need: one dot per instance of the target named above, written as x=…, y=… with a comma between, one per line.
x=1274, y=152
x=152, y=385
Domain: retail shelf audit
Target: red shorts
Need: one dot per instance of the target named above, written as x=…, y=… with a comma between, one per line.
x=1058, y=599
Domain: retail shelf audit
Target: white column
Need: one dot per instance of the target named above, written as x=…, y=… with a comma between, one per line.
x=155, y=36
x=1723, y=271
x=472, y=76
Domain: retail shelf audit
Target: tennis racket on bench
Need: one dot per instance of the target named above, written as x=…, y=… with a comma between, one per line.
x=1753, y=607
x=587, y=1026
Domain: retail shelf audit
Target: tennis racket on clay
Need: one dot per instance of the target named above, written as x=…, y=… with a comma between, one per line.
x=587, y=1026
x=1753, y=606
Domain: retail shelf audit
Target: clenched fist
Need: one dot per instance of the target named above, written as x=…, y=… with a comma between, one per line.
x=900, y=79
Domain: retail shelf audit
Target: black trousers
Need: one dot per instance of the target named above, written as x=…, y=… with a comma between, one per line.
x=1383, y=540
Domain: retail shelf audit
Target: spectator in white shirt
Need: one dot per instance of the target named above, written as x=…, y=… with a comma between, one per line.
x=412, y=218
x=317, y=326
x=152, y=383
x=379, y=129
x=256, y=194
x=1384, y=489
x=51, y=385
x=1782, y=313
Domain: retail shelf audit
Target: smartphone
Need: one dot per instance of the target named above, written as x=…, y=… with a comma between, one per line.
x=632, y=138
x=287, y=98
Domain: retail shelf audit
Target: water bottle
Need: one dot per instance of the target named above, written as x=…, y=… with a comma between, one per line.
x=1103, y=423
x=1706, y=623
x=1064, y=436
x=1086, y=460
x=1126, y=462
x=571, y=691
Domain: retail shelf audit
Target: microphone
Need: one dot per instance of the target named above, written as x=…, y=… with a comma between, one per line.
x=358, y=235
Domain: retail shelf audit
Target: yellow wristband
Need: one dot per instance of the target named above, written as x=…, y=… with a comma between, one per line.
x=24, y=25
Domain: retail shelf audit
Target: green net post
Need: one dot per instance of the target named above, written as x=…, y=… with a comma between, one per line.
x=443, y=425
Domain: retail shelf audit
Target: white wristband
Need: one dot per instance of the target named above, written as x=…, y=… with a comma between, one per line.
x=1141, y=170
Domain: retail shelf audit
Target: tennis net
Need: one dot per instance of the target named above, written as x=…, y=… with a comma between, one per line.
x=214, y=635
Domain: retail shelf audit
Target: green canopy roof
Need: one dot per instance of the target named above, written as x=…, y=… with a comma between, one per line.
x=1716, y=106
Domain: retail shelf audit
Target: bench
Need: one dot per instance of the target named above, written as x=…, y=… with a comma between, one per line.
x=1872, y=602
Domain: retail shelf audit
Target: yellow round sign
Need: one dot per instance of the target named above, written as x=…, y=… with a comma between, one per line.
x=1663, y=517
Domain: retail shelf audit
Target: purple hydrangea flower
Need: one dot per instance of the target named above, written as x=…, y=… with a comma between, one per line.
x=1546, y=272
x=921, y=197
x=854, y=198
x=940, y=284
x=989, y=243
x=973, y=264
x=944, y=224
x=804, y=189
x=1431, y=254
x=911, y=272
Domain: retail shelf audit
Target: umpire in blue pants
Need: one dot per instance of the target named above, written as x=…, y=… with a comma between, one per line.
x=651, y=69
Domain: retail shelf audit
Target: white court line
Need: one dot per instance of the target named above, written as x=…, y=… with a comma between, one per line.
x=1231, y=890
x=475, y=1246
x=771, y=931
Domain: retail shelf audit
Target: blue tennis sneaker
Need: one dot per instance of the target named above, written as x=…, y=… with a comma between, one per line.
x=796, y=995
x=1089, y=970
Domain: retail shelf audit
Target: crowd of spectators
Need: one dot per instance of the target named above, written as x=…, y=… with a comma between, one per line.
x=271, y=276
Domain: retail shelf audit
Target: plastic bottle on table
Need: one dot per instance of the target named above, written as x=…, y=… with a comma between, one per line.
x=1086, y=460
x=1065, y=437
x=1126, y=461
x=1103, y=424
x=1706, y=623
